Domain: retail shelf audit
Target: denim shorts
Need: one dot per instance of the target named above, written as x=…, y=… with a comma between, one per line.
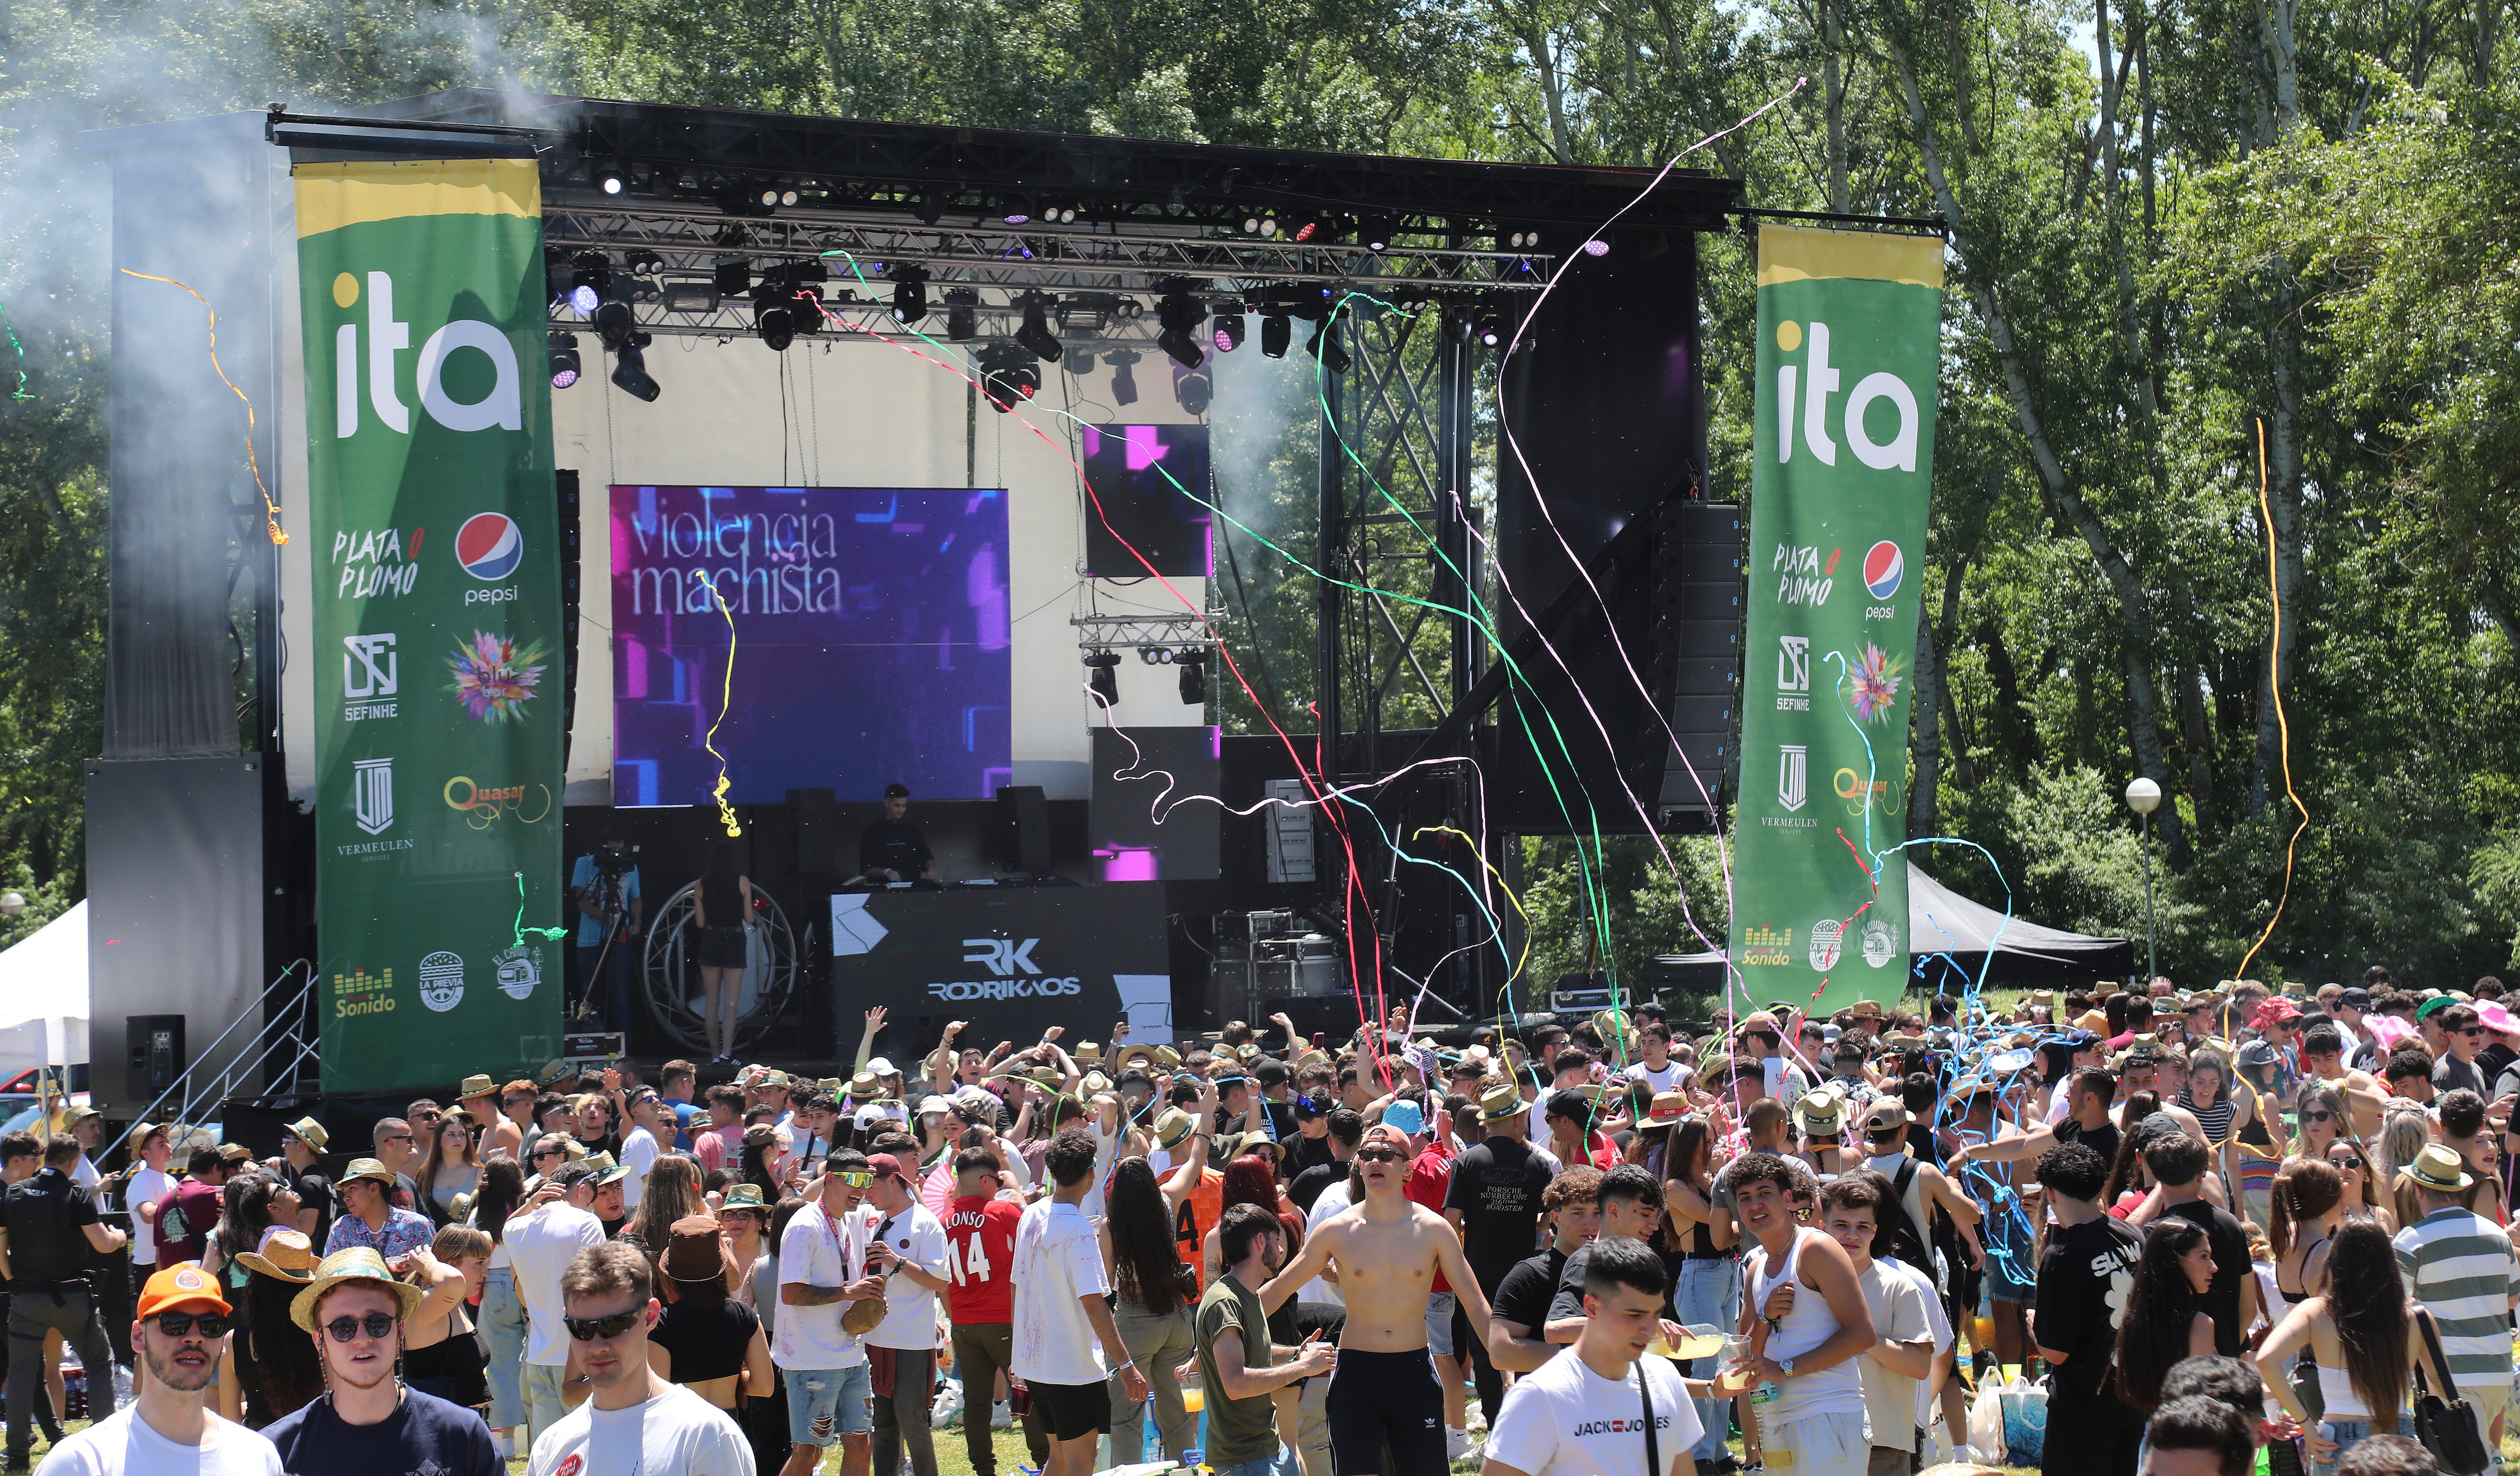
x=826, y=1403
x=1439, y=1323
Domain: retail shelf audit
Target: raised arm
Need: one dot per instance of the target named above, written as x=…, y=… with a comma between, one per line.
x=1309, y=1263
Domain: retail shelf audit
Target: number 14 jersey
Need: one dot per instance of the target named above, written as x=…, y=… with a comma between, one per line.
x=980, y=1239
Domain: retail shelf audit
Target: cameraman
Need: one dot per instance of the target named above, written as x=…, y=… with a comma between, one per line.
x=605, y=887
x=53, y=1228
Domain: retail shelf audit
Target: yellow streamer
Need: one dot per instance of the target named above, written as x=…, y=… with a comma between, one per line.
x=1500, y=886
x=270, y=508
x=2274, y=683
x=725, y=699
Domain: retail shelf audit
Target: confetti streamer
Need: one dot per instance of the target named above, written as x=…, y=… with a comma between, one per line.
x=726, y=699
x=270, y=508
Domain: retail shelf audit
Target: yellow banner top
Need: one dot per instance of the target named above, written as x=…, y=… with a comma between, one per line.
x=1799, y=254
x=332, y=196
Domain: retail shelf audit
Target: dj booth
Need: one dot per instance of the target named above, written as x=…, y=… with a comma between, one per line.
x=1015, y=960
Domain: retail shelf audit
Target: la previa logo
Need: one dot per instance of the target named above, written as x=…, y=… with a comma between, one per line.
x=1817, y=379
x=503, y=407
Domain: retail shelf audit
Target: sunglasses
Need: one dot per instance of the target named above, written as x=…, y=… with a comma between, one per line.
x=402, y=1138
x=178, y=1324
x=596, y=1330
x=2348, y=1161
x=856, y=1179
x=376, y=1324
x=1377, y=1156
x=2317, y=1117
x=2469, y=1030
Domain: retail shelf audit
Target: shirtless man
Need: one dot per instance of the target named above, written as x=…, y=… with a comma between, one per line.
x=1384, y=1253
x=2322, y=1057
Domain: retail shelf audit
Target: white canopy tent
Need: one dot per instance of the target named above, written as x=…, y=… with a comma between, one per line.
x=44, y=998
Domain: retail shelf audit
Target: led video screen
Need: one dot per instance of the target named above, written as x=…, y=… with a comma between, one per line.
x=837, y=638
x=1133, y=470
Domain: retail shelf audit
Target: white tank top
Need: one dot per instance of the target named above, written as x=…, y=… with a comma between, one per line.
x=1806, y=1326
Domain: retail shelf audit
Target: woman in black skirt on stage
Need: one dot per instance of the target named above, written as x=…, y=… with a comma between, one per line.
x=720, y=904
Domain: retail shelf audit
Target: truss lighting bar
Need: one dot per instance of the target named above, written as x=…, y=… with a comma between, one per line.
x=1140, y=632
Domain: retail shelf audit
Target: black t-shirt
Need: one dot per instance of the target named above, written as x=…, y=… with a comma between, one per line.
x=44, y=1216
x=707, y=1340
x=1920, y=1143
x=427, y=1434
x=1309, y=1184
x=2494, y=1061
x=1303, y=1152
x=1496, y=1188
x=315, y=1192
x=2230, y=1246
x=1523, y=1296
x=2083, y=1285
x=2102, y=1139
x=892, y=845
x=1566, y=1300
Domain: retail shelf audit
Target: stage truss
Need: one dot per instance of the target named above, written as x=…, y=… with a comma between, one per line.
x=669, y=973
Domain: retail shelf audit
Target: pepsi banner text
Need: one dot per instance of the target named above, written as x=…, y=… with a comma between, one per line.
x=1842, y=463
x=438, y=620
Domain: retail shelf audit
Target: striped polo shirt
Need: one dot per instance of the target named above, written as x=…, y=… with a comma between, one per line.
x=2462, y=1269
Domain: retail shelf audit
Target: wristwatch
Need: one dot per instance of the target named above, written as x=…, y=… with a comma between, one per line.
x=1785, y=1367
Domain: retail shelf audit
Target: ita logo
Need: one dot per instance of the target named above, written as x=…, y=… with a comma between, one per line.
x=1883, y=566
x=489, y=547
x=441, y=981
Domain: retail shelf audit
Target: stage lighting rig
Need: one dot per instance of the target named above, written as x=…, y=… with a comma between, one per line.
x=611, y=179
x=643, y=273
x=1080, y=360
x=909, y=293
x=1325, y=346
x=590, y=278
x=1124, y=379
x=1035, y=334
x=1375, y=232
x=1007, y=375
x=776, y=324
x=1105, y=681
x=1193, y=663
x=1179, y=315
x=1229, y=333
x=1192, y=389
x=1275, y=332
x=614, y=324
x=962, y=314
x=565, y=363
x=631, y=370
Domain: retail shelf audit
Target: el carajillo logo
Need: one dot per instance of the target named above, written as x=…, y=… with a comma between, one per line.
x=483, y=807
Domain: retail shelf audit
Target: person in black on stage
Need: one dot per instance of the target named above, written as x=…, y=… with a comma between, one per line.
x=892, y=849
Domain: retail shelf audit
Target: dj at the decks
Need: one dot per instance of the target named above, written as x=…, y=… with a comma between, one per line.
x=892, y=849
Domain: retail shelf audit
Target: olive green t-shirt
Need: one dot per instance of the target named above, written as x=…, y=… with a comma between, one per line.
x=1237, y=1429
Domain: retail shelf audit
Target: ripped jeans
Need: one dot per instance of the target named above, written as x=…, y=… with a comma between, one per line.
x=826, y=1403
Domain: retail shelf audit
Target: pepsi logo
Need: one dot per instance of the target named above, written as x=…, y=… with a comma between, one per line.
x=1883, y=568
x=489, y=547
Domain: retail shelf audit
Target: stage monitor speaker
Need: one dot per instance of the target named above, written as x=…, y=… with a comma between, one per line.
x=818, y=832
x=1023, y=829
x=567, y=481
x=156, y=1052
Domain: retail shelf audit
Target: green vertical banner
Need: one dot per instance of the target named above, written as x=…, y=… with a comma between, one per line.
x=434, y=550
x=1843, y=459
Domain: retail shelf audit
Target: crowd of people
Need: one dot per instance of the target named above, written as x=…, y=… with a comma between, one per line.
x=2210, y=1227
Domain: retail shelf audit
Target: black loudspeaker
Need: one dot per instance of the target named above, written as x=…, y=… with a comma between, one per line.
x=1697, y=653
x=156, y=1054
x=818, y=832
x=1023, y=829
x=568, y=601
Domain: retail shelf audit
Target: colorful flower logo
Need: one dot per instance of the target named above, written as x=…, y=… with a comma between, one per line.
x=1876, y=685
x=494, y=677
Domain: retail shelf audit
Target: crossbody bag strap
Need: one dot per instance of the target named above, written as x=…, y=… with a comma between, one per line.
x=2441, y=1360
x=1653, y=1447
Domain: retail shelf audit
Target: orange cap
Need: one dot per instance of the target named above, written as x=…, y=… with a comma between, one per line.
x=180, y=1286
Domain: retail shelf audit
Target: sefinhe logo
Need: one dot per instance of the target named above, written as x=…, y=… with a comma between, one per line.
x=503, y=407
x=1818, y=380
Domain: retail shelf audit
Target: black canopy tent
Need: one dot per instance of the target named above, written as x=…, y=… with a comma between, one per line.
x=1949, y=940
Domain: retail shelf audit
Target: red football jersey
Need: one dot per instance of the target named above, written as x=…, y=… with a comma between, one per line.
x=980, y=1246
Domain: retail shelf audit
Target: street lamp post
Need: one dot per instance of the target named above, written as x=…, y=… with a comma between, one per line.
x=2144, y=797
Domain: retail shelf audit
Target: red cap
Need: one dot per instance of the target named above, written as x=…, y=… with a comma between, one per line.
x=884, y=1165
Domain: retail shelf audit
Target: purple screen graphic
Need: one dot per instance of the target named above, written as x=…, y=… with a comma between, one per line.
x=870, y=639
x=1133, y=470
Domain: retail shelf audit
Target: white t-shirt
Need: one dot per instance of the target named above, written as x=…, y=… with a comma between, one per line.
x=910, y=1309
x=541, y=1242
x=145, y=1186
x=677, y=1433
x=820, y=1250
x=123, y=1445
x=1673, y=1073
x=1334, y=1199
x=1566, y=1420
x=1058, y=1258
x=1936, y=1322
x=638, y=1155
x=1898, y=1306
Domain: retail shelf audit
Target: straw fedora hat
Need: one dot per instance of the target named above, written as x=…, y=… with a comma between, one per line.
x=286, y=1254
x=2439, y=1170
x=356, y=1263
